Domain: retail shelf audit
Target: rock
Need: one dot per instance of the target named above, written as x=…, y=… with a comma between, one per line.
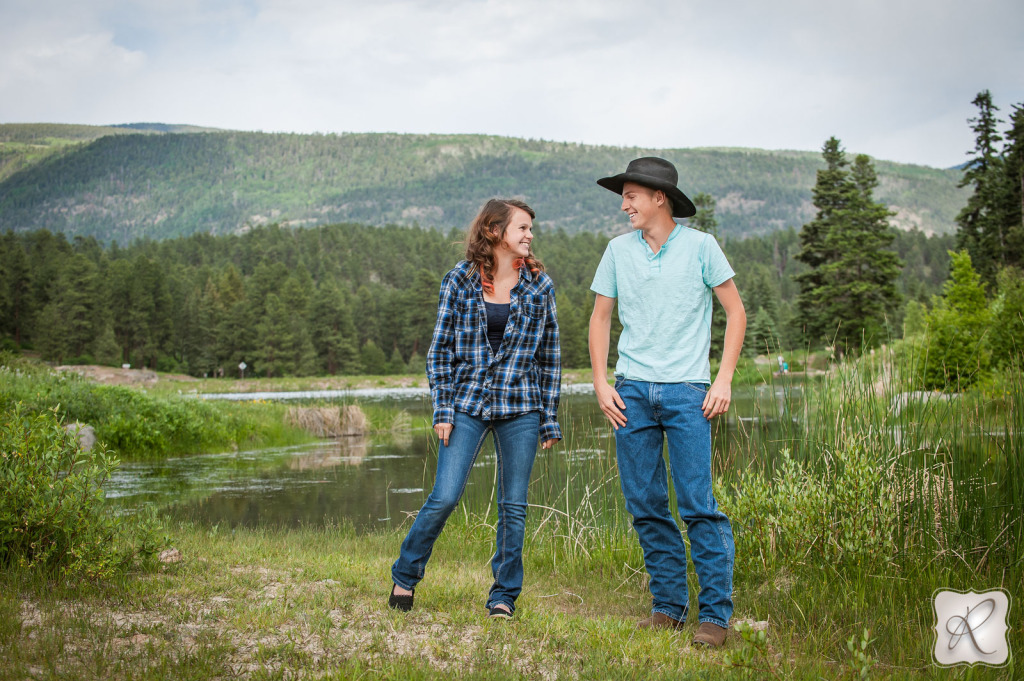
x=85, y=435
x=170, y=556
x=756, y=625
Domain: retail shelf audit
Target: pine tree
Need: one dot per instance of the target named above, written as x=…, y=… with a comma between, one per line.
x=1013, y=182
x=705, y=220
x=372, y=358
x=831, y=194
x=272, y=333
x=332, y=331
x=15, y=288
x=760, y=339
x=980, y=232
x=957, y=353
x=850, y=287
x=858, y=290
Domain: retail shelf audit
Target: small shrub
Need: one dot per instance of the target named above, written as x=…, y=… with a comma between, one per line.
x=52, y=511
x=843, y=514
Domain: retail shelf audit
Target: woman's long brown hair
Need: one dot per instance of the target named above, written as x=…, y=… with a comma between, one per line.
x=486, y=233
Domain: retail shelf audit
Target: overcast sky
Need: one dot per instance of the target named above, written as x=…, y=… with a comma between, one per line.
x=893, y=79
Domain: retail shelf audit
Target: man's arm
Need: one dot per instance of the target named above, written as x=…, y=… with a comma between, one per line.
x=720, y=395
x=600, y=338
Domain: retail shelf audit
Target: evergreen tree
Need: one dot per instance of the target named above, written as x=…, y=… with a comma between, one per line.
x=573, y=323
x=298, y=353
x=859, y=282
x=395, y=365
x=372, y=358
x=332, y=332
x=1006, y=337
x=980, y=230
x=273, y=330
x=957, y=353
x=850, y=288
x=705, y=219
x=15, y=288
x=1013, y=183
x=831, y=194
x=71, y=320
x=760, y=338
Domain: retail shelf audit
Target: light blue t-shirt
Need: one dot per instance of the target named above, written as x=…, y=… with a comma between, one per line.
x=664, y=301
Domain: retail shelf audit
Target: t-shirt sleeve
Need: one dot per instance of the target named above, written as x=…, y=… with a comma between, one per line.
x=715, y=266
x=604, y=277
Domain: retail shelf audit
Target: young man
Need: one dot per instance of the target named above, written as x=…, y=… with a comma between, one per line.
x=662, y=275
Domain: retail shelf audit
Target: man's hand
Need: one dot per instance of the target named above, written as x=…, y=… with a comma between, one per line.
x=548, y=444
x=611, y=404
x=443, y=430
x=718, y=399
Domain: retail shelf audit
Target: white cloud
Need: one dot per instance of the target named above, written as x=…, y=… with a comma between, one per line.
x=892, y=79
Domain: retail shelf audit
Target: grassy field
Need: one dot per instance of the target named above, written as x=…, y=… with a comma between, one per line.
x=311, y=604
x=875, y=502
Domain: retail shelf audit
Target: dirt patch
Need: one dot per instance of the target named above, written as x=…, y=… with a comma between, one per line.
x=119, y=376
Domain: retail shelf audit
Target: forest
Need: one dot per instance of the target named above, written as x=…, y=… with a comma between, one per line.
x=123, y=184
x=336, y=299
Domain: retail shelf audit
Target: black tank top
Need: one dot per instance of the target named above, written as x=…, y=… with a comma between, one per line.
x=497, y=318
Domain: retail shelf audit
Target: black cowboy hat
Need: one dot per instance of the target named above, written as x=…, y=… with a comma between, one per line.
x=656, y=173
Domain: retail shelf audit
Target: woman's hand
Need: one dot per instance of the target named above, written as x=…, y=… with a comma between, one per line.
x=548, y=444
x=443, y=430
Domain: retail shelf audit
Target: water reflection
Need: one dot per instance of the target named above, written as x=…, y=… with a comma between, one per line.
x=384, y=478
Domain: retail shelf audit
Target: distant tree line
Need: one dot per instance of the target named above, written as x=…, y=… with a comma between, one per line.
x=338, y=299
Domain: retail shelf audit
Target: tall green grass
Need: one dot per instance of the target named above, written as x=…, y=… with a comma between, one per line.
x=135, y=424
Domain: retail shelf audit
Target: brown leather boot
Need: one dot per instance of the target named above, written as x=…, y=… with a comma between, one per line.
x=709, y=635
x=659, y=620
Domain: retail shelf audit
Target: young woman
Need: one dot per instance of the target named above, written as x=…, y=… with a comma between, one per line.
x=494, y=367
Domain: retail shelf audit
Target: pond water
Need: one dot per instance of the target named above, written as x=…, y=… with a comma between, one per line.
x=378, y=480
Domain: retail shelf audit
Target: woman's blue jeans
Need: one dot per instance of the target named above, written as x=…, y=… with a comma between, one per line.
x=515, y=441
x=655, y=411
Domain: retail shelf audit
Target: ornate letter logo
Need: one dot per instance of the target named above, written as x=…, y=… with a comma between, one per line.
x=970, y=628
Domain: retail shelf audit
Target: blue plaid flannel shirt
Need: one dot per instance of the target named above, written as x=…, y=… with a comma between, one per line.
x=523, y=376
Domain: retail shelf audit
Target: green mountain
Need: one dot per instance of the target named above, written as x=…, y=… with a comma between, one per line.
x=149, y=180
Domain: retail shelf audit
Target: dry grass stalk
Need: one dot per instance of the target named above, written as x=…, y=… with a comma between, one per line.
x=318, y=421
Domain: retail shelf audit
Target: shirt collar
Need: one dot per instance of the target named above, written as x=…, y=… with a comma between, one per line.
x=672, y=235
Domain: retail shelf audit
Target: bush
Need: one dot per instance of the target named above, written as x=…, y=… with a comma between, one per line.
x=843, y=514
x=135, y=424
x=52, y=511
x=956, y=352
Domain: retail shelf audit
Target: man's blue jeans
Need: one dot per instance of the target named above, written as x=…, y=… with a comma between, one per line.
x=515, y=441
x=673, y=410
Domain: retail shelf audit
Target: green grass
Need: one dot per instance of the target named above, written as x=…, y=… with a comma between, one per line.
x=136, y=424
x=945, y=476
x=310, y=602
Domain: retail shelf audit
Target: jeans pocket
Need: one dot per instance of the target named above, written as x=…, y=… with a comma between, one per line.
x=619, y=380
x=701, y=388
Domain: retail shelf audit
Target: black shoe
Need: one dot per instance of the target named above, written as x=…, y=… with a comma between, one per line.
x=403, y=603
x=497, y=613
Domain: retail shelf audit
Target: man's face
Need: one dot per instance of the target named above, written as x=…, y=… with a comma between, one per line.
x=640, y=204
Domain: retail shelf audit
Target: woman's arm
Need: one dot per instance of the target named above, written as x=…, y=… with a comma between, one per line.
x=549, y=360
x=440, y=355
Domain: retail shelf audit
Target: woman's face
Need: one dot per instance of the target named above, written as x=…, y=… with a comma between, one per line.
x=518, y=234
